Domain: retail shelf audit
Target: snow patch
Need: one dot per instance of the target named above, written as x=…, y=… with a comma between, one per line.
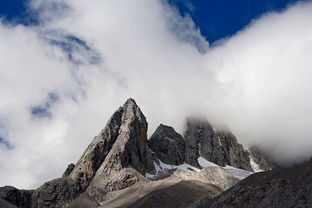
x=254, y=165
x=163, y=168
x=188, y=167
x=238, y=173
x=205, y=163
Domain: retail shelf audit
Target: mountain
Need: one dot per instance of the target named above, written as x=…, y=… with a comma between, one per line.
x=122, y=168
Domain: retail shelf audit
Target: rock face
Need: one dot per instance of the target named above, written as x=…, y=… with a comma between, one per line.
x=234, y=153
x=129, y=150
x=264, y=162
x=168, y=145
x=201, y=140
x=281, y=187
x=219, y=147
x=122, y=143
x=97, y=151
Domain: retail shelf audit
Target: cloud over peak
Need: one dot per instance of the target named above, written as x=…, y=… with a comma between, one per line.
x=94, y=55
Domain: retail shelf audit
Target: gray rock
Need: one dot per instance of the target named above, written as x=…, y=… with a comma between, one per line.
x=129, y=157
x=264, y=161
x=83, y=201
x=97, y=151
x=219, y=147
x=19, y=198
x=123, y=140
x=234, y=153
x=201, y=140
x=69, y=169
x=168, y=145
x=57, y=193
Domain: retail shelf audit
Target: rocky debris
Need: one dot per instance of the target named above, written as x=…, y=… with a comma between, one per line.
x=181, y=194
x=281, y=187
x=130, y=195
x=219, y=147
x=168, y=145
x=264, y=162
x=19, y=198
x=69, y=169
x=210, y=175
x=109, y=183
x=83, y=201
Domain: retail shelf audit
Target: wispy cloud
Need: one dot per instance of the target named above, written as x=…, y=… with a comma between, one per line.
x=94, y=55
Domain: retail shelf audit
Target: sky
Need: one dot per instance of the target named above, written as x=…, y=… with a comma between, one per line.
x=67, y=65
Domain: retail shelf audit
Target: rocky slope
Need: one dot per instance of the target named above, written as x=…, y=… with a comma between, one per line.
x=281, y=187
x=121, y=168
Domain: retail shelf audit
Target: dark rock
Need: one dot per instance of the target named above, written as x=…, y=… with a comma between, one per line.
x=264, y=161
x=168, y=145
x=19, y=198
x=181, y=194
x=59, y=192
x=5, y=204
x=281, y=187
x=69, y=169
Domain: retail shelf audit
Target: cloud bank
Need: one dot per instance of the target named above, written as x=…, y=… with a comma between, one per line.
x=61, y=80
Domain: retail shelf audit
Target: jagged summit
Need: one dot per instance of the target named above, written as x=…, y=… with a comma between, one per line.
x=126, y=128
x=120, y=166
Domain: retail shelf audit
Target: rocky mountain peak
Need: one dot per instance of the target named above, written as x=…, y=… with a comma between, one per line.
x=168, y=145
x=128, y=155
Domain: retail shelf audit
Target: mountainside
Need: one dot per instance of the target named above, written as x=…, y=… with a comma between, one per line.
x=122, y=168
x=282, y=187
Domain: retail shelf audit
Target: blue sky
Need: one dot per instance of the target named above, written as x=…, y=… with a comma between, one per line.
x=216, y=18
x=221, y=18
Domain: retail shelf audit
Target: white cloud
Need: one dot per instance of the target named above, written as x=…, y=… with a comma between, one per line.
x=257, y=82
